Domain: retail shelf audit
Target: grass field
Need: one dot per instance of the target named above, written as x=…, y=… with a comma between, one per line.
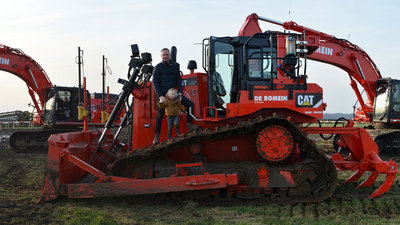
x=21, y=180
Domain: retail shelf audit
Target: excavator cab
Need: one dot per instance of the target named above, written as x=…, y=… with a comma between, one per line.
x=387, y=101
x=61, y=107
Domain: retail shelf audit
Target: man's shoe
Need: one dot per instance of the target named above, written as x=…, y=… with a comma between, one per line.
x=156, y=139
x=192, y=127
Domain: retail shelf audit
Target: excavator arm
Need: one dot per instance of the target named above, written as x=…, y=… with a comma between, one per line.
x=328, y=49
x=23, y=66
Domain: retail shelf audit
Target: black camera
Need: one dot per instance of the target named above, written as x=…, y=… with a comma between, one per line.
x=146, y=58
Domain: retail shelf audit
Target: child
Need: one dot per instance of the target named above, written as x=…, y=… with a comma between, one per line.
x=172, y=105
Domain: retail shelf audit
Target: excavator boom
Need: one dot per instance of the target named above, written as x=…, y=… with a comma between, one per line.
x=23, y=66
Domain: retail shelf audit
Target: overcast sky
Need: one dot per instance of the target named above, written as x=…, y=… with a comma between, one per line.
x=51, y=31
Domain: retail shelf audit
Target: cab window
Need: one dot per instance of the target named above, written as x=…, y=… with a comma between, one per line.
x=260, y=64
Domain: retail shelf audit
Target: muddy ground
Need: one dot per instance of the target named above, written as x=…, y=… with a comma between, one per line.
x=21, y=180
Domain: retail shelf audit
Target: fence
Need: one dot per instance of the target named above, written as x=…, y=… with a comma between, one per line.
x=16, y=125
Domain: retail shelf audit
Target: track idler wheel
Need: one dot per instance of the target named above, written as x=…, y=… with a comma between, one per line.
x=274, y=143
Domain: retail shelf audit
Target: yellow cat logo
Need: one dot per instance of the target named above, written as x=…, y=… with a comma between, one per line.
x=305, y=100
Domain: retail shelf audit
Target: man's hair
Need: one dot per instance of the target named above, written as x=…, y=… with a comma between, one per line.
x=170, y=91
x=164, y=49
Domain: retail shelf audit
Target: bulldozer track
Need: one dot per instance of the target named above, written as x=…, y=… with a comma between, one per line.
x=317, y=190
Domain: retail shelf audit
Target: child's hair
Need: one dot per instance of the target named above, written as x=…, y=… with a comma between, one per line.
x=172, y=91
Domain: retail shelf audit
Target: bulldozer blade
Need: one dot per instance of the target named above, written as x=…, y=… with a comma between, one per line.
x=370, y=180
x=357, y=175
x=385, y=186
x=51, y=184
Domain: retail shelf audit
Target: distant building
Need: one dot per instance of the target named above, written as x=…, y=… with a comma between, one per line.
x=11, y=116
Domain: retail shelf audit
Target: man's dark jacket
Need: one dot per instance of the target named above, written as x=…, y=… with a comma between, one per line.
x=166, y=75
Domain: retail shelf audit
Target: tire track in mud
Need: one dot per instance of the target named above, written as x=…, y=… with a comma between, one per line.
x=18, y=191
x=357, y=208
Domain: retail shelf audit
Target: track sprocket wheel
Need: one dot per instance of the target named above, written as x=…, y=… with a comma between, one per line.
x=274, y=143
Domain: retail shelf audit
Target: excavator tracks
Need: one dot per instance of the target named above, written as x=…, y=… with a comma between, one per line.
x=389, y=143
x=316, y=187
x=33, y=141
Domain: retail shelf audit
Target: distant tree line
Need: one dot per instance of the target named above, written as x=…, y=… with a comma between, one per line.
x=25, y=116
x=335, y=116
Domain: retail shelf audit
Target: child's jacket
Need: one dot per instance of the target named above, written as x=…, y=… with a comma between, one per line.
x=172, y=107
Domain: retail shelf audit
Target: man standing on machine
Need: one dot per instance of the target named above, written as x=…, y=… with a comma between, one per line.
x=166, y=75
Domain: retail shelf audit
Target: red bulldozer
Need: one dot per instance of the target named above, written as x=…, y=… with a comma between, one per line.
x=251, y=105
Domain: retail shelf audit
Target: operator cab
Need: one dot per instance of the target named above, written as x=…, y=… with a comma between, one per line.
x=61, y=106
x=239, y=63
x=249, y=69
x=387, y=101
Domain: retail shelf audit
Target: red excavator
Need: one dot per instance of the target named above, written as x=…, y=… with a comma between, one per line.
x=251, y=106
x=382, y=106
x=56, y=106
